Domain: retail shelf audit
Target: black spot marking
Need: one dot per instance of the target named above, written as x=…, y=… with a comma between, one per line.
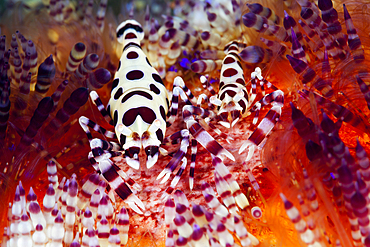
x=168, y=103
x=130, y=36
x=115, y=82
x=242, y=104
x=119, y=65
x=146, y=114
x=159, y=134
x=108, y=110
x=127, y=26
x=134, y=75
x=229, y=72
x=240, y=81
x=157, y=78
x=147, y=60
x=163, y=112
x=236, y=56
x=122, y=139
x=229, y=60
x=233, y=48
x=231, y=93
x=115, y=118
x=131, y=44
x=132, y=55
x=240, y=65
x=137, y=92
x=246, y=96
x=154, y=89
x=229, y=85
x=118, y=93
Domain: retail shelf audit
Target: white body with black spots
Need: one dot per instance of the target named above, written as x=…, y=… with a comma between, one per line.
x=138, y=98
x=233, y=101
x=138, y=110
x=232, y=97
